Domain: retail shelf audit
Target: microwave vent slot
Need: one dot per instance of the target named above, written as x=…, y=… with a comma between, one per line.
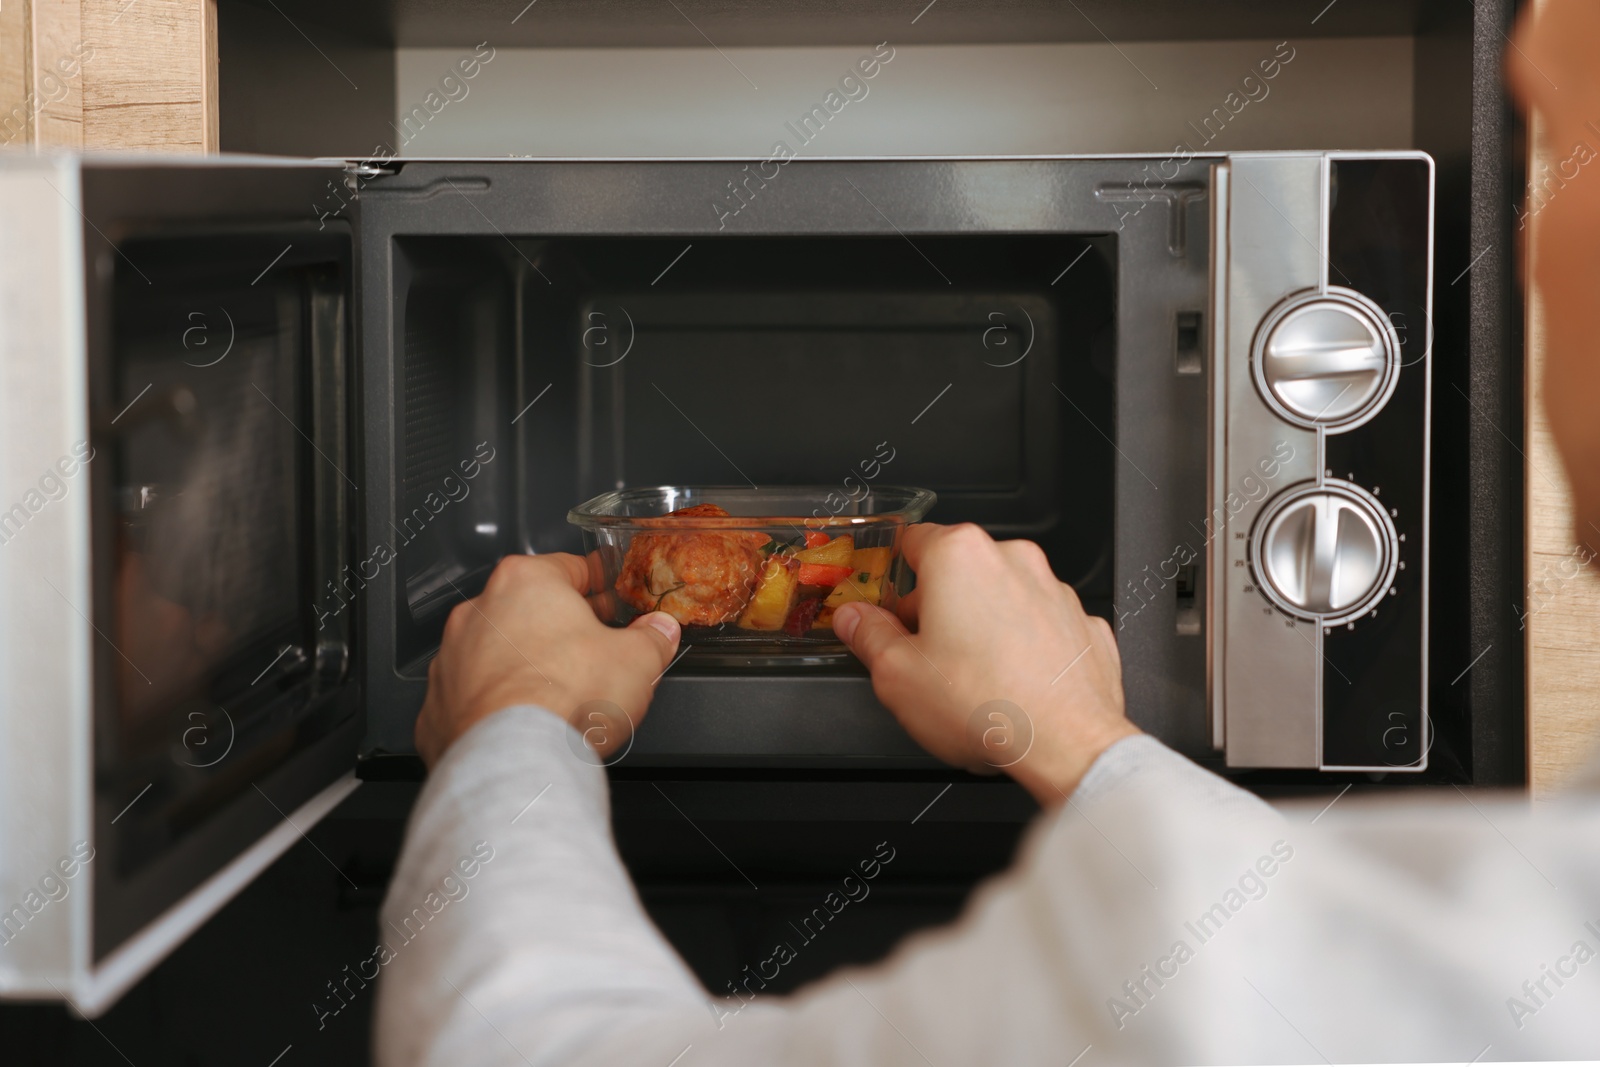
x=432, y=427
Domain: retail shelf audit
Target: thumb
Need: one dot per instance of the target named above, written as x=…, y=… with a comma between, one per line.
x=870, y=632
x=657, y=634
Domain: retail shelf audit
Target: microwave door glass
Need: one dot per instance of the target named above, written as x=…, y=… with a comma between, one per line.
x=210, y=539
x=207, y=560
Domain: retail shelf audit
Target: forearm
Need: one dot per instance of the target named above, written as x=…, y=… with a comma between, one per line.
x=1162, y=915
x=1024, y=976
x=538, y=941
x=544, y=953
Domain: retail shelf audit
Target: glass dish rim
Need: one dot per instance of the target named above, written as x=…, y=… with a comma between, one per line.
x=587, y=515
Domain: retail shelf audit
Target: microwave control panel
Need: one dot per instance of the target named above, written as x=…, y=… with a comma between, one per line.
x=1321, y=277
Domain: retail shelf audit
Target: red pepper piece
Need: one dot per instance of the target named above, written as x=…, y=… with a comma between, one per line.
x=816, y=538
x=823, y=574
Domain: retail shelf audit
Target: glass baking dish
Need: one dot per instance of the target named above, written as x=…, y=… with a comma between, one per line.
x=751, y=574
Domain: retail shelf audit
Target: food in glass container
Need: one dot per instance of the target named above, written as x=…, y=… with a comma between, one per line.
x=746, y=568
x=799, y=588
x=700, y=579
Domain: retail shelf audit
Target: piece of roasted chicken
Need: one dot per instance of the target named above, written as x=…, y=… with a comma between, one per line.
x=699, y=577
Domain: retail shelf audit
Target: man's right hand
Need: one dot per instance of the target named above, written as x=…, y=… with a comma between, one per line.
x=991, y=662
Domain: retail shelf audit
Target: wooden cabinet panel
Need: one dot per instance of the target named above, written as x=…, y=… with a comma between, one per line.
x=109, y=74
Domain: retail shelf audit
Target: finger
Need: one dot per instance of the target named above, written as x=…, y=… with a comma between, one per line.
x=606, y=605
x=870, y=632
x=454, y=623
x=575, y=569
x=909, y=608
x=597, y=573
x=656, y=636
x=914, y=542
x=517, y=572
x=422, y=732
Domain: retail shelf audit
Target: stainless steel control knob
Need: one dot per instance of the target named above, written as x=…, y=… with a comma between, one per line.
x=1326, y=359
x=1325, y=553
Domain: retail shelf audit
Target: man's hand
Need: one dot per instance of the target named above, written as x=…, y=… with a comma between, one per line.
x=531, y=638
x=992, y=662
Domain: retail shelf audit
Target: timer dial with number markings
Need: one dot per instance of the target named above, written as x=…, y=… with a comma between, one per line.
x=1325, y=553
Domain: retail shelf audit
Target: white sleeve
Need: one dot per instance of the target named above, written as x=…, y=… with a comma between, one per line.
x=1162, y=916
x=546, y=944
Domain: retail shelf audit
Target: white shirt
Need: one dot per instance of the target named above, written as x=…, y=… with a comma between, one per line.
x=1162, y=916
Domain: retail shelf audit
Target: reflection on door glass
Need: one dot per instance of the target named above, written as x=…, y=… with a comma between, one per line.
x=207, y=563
x=209, y=537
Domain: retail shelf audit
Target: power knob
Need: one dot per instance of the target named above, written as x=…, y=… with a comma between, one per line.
x=1326, y=553
x=1326, y=359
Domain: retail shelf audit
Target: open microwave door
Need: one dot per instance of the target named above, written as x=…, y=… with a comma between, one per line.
x=175, y=488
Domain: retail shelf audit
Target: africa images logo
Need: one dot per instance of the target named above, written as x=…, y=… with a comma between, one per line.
x=1252, y=885
x=451, y=888
x=852, y=87
x=452, y=490
x=52, y=486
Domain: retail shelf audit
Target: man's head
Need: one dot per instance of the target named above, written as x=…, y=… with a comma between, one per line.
x=1554, y=71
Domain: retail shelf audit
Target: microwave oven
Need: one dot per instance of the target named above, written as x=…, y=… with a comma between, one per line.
x=266, y=421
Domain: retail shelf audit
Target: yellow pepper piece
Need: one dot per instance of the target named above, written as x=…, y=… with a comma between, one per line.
x=836, y=553
x=774, y=596
x=865, y=585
